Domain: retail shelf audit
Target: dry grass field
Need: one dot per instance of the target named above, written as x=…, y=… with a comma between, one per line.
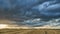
x=29, y=31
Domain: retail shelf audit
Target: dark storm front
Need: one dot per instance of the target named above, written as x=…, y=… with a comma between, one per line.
x=31, y=12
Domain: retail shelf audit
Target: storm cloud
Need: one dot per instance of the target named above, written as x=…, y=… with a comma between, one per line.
x=21, y=10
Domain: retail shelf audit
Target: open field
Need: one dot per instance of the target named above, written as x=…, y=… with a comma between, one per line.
x=29, y=31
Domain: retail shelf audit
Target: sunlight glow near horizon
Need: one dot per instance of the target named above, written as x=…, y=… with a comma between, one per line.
x=3, y=26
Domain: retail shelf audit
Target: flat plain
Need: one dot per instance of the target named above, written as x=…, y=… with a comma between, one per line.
x=29, y=31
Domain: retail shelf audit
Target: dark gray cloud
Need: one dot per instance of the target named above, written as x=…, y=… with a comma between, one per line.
x=17, y=8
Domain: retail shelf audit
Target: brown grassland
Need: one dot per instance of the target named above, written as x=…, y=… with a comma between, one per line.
x=29, y=31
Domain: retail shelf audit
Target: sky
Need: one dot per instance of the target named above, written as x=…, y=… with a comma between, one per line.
x=21, y=10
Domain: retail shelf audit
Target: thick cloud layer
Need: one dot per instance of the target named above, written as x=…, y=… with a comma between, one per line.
x=17, y=9
x=21, y=10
